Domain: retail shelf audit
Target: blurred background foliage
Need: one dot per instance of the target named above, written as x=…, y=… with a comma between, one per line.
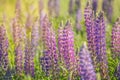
x=7, y=7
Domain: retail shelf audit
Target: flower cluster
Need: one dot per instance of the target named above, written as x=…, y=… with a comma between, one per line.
x=86, y=67
x=3, y=48
x=100, y=42
x=46, y=63
x=118, y=71
x=90, y=28
x=30, y=49
x=49, y=40
x=66, y=46
x=18, y=40
x=115, y=37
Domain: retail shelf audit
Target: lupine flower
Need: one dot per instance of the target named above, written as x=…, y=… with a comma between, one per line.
x=45, y=27
x=94, y=5
x=100, y=42
x=60, y=42
x=71, y=6
x=68, y=48
x=3, y=48
x=118, y=71
x=50, y=44
x=29, y=63
x=35, y=36
x=78, y=19
x=90, y=27
x=27, y=57
x=17, y=32
x=46, y=63
x=31, y=47
x=86, y=67
x=115, y=37
x=54, y=55
x=19, y=59
x=18, y=40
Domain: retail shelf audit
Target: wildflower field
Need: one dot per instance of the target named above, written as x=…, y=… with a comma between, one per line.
x=59, y=39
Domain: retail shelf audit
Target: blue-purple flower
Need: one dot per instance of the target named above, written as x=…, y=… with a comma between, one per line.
x=100, y=42
x=87, y=71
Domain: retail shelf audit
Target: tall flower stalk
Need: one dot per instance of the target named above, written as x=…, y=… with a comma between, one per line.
x=90, y=28
x=49, y=41
x=3, y=48
x=30, y=51
x=115, y=37
x=87, y=71
x=46, y=63
x=18, y=40
x=68, y=47
x=100, y=42
x=60, y=42
x=118, y=71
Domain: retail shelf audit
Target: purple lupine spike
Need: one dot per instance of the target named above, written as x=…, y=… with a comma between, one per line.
x=17, y=32
x=27, y=57
x=34, y=45
x=90, y=28
x=87, y=71
x=30, y=50
x=50, y=44
x=94, y=5
x=69, y=53
x=115, y=37
x=78, y=19
x=46, y=63
x=54, y=55
x=3, y=48
x=29, y=62
x=60, y=42
x=118, y=71
x=88, y=23
x=19, y=59
x=35, y=36
x=100, y=42
x=45, y=25
x=57, y=7
x=18, y=40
